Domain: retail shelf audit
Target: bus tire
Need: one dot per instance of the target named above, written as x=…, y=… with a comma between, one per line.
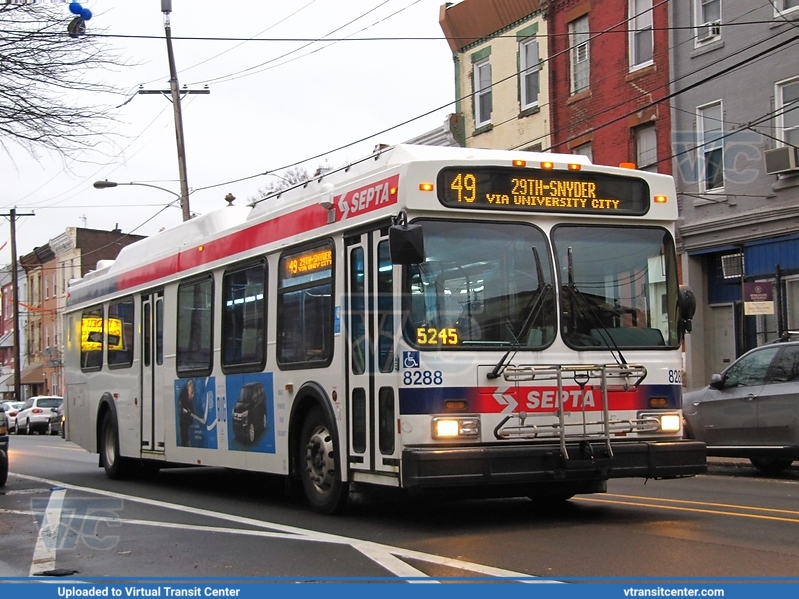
x=3, y=469
x=116, y=467
x=771, y=465
x=320, y=465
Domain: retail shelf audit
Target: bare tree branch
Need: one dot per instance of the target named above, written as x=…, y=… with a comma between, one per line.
x=48, y=97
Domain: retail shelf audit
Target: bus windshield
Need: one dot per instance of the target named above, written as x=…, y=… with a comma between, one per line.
x=618, y=286
x=483, y=284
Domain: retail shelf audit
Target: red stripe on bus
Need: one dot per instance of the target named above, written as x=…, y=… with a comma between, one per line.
x=282, y=227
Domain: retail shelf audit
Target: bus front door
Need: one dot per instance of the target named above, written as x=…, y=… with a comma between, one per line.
x=372, y=406
x=152, y=361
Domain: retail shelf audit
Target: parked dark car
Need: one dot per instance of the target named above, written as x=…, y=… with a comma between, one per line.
x=3, y=447
x=249, y=413
x=751, y=410
x=55, y=426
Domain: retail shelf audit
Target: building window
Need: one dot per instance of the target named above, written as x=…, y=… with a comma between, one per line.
x=783, y=6
x=711, y=147
x=46, y=282
x=583, y=150
x=707, y=17
x=580, y=58
x=482, y=93
x=641, y=37
x=787, y=100
x=529, y=72
x=646, y=148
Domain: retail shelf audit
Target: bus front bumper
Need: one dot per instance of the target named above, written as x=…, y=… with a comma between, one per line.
x=442, y=467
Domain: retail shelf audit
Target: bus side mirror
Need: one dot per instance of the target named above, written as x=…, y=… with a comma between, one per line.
x=406, y=244
x=687, y=307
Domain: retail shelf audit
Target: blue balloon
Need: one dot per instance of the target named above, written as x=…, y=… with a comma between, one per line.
x=86, y=14
x=75, y=8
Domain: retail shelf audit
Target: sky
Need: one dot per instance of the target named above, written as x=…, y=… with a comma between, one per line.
x=271, y=104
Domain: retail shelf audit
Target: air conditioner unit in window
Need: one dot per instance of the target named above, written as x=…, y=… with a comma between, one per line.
x=707, y=31
x=781, y=160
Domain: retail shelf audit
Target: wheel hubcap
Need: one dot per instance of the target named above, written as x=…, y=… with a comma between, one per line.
x=319, y=459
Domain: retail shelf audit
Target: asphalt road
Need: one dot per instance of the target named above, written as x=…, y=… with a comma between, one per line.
x=197, y=522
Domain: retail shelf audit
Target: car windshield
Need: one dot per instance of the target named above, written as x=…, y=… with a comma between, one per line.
x=481, y=283
x=49, y=402
x=618, y=286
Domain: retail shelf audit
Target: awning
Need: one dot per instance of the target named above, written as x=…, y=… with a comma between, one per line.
x=32, y=374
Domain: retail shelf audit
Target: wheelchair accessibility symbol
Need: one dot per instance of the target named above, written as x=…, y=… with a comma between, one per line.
x=410, y=359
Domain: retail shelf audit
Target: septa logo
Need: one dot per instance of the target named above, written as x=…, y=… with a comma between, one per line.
x=367, y=198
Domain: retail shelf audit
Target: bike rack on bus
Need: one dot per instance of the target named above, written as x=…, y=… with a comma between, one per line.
x=626, y=376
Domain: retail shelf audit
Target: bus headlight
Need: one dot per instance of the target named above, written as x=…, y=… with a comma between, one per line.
x=456, y=427
x=668, y=422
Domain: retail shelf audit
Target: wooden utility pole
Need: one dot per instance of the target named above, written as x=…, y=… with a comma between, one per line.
x=12, y=215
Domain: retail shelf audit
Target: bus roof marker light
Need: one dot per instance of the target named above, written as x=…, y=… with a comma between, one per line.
x=660, y=199
x=548, y=165
x=630, y=165
x=200, y=248
x=519, y=163
x=426, y=187
x=574, y=166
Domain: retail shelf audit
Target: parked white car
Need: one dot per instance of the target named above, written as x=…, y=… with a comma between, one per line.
x=35, y=414
x=12, y=408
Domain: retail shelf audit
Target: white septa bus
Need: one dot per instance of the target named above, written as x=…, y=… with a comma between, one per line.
x=430, y=319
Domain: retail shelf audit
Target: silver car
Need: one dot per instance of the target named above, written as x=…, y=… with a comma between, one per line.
x=751, y=410
x=35, y=414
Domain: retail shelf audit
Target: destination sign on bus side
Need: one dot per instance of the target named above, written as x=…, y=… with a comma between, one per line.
x=499, y=188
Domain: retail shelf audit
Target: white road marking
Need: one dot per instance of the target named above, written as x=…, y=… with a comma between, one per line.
x=44, y=552
x=387, y=556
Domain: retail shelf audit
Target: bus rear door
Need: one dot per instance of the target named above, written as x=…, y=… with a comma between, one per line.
x=152, y=360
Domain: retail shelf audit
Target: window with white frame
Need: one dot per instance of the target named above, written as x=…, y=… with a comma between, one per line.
x=580, y=55
x=583, y=150
x=707, y=19
x=787, y=111
x=711, y=146
x=646, y=148
x=482, y=93
x=641, y=34
x=529, y=73
x=783, y=6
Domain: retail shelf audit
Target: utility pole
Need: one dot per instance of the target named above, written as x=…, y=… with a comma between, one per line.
x=174, y=91
x=12, y=215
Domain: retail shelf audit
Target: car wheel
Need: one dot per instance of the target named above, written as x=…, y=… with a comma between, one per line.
x=251, y=433
x=3, y=469
x=116, y=467
x=770, y=465
x=50, y=430
x=27, y=429
x=319, y=468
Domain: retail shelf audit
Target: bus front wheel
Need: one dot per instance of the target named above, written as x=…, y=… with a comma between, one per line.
x=116, y=467
x=320, y=465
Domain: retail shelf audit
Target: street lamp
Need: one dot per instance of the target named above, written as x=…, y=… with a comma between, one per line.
x=107, y=184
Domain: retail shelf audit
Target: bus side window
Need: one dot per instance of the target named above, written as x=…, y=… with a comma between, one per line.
x=120, y=334
x=195, y=320
x=305, y=307
x=91, y=339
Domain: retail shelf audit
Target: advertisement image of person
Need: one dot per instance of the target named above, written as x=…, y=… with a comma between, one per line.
x=186, y=405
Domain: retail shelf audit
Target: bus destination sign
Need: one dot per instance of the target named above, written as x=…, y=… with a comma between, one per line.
x=529, y=190
x=309, y=262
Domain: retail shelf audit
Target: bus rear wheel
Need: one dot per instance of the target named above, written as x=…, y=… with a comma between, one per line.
x=320, y=465
x=116, y=467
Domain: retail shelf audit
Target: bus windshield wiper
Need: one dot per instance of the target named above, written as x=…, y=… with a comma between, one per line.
x=532, y=310
x=575, y=292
